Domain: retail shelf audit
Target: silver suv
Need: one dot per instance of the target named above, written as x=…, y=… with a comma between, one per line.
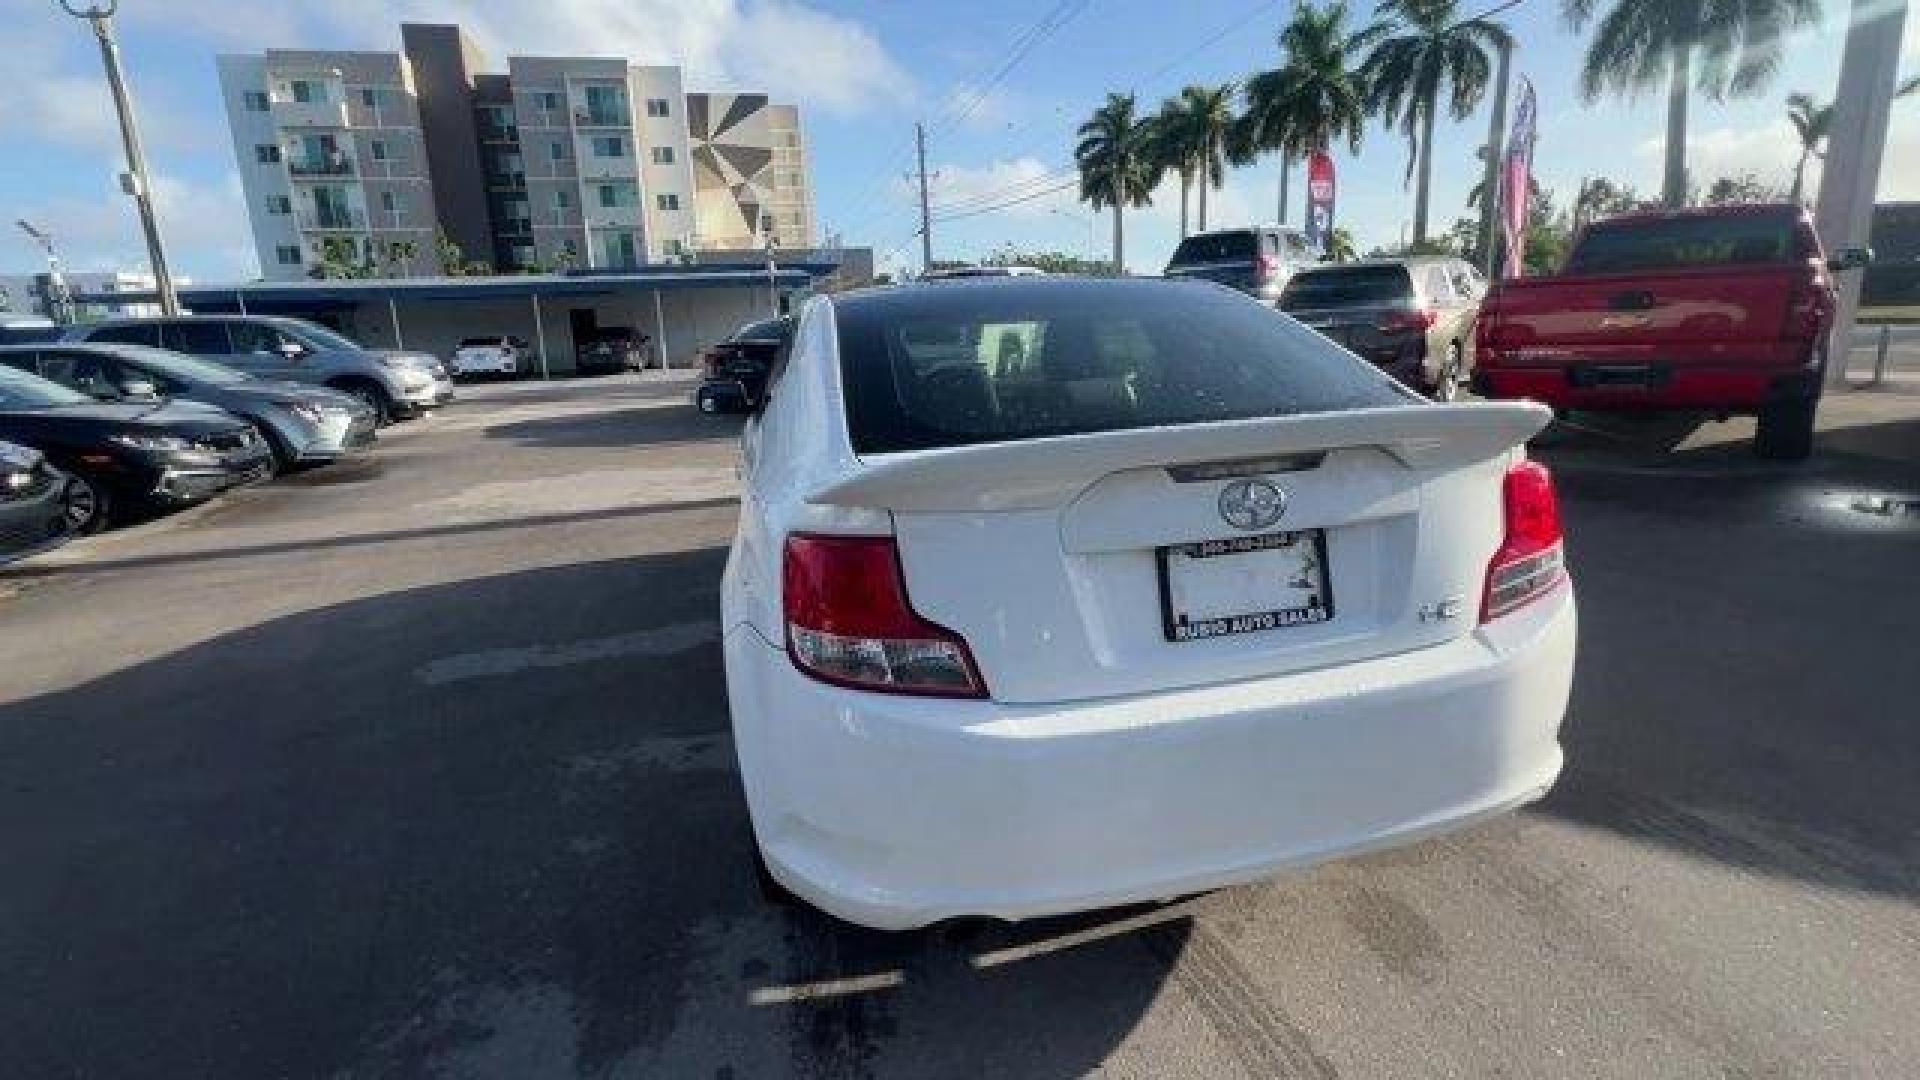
x=1257, y=261
x=395, y=384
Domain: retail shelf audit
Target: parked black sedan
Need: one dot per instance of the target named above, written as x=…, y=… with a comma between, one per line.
x=304, y=424
x=33, y=503
x=737, y=367
x=129, y=456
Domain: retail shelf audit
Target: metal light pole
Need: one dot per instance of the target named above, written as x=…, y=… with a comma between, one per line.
x=1869, y=68
x=59, y=300
x=134, y=180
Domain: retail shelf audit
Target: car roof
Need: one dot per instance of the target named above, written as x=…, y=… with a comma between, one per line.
x=880, y=297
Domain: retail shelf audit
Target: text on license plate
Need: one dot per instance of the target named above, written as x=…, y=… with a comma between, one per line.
x=1244, y=585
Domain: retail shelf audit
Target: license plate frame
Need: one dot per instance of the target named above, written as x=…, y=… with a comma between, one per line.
x=1182, y=632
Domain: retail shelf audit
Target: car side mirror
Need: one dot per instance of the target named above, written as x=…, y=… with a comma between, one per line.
x=139, y=389
x=1853, y=258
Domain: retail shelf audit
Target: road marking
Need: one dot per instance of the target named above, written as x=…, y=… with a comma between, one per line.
x=827, y=988
x=659, y=641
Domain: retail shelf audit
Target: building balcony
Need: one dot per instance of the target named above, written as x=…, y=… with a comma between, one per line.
x=499, y=133
x=336, y=165
x=615, y=118
x=332, y=221
x=331, y=113
x=514, y=226
x=509, y=181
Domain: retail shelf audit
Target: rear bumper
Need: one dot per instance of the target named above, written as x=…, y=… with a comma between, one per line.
x=899, y=812
x=1726, y=388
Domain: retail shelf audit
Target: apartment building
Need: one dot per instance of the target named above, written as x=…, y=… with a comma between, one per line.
x=332, y=160
x=556, y=162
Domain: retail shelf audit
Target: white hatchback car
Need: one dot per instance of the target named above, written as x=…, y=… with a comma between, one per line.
x=1052, y=594
x=498, y=354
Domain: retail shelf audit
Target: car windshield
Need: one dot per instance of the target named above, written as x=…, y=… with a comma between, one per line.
x=1348, y=286
x=1217, y=247
x=183, y=367
x=19, y=390
x=319, y=336
x=1627, y=244
x=1009, y=360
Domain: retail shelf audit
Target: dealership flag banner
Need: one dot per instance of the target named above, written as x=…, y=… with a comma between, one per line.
x=1514, y=181
x=1319, y=200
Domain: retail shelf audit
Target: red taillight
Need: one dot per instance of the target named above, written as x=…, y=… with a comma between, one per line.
x=1810, y=307
x=1267, y=267
x=849, y=621
x=1531, y=559
x=1421, y=319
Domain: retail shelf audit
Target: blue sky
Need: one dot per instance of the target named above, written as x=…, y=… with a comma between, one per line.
x=863, y=72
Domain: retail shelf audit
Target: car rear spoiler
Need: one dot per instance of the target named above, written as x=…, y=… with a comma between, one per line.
x=1037, y=473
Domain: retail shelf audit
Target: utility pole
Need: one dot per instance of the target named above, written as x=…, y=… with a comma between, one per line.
x=926, y=216
x=134, y=181
x=1869, y=68
x=1494, y=150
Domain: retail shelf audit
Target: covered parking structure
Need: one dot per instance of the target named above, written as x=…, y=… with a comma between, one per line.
x=680, y=309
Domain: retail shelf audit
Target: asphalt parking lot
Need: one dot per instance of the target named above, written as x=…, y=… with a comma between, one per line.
x=418, y=766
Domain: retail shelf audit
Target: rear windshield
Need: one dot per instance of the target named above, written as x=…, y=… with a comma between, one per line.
x=1348, y=286
x=1217, y=247
x=770, y=330
x=1004, y=361
x=1627, y=244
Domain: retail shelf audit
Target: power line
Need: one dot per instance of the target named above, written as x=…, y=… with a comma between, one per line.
x=1018, y=187
x=997, y=207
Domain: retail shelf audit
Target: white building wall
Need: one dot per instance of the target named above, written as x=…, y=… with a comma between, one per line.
x=670, y=228
x=260, y=182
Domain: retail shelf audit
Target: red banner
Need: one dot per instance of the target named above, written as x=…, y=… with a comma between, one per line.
x=1516, y=185
x=1320, y=193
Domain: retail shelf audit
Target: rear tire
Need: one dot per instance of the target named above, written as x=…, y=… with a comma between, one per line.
x=89, y=505
x=1785, y=430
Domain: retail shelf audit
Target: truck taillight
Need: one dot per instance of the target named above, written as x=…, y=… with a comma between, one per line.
x=1421, y=319
x=1532, y=555
x=849, y=621
x=1267, y=267
x=1809, y=306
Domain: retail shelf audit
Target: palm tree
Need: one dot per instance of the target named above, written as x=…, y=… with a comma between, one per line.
x=1117, y=167
x=1211, y=108
x=1315, y=98
x=1811, y=123
x=1600, y=197
x=1427, y=48
x=1340, y=246
x=1175, y=144
x=1717, y=47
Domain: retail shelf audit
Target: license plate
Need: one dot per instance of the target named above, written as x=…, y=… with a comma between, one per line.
x=1244, y=585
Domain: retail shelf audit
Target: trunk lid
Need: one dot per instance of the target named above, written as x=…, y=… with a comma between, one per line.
x=1705, y=316
x=1049, y=555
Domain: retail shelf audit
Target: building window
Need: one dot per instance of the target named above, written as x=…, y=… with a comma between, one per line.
x=606, y=106
x=279, y=204
x=663, y=155
x=378, y=148
x=667, y=200
x=393, y=204
x=657, y=107
x=557, y=150
x=256, y=101
x=609, y=146
x=369, y=97
x=563, y=199
x=550, y=101
x=267, y=154
x=308, y=92
x=287, y=254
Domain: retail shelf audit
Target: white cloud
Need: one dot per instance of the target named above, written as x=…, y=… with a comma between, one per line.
x=55, y=93
x=203, y=226
x=967, y=189
x=1767, y=151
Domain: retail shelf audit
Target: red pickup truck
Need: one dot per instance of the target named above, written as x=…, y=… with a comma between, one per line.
x=1720, y=309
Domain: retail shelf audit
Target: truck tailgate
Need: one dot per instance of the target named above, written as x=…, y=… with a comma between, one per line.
x=1706, y=317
